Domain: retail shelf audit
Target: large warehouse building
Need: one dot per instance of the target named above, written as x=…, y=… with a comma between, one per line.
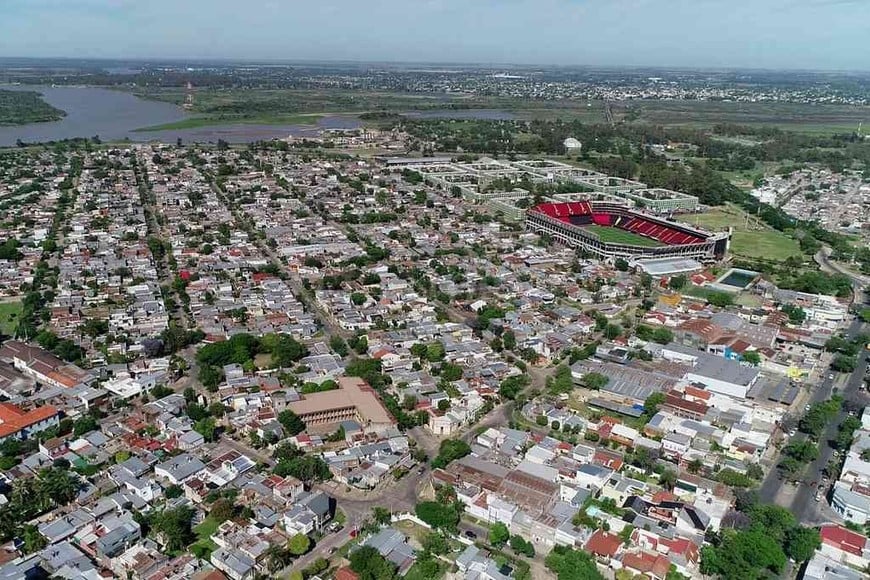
x=354, y=400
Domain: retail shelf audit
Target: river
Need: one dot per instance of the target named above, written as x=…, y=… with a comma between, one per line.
x=114, y=115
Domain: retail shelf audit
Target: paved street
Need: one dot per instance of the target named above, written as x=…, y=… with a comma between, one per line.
x=800, y=499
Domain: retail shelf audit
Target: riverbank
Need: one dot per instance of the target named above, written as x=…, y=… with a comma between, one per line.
x=199, y=122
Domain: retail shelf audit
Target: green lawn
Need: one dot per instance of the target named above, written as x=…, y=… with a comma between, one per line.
x=771, y=245
x=751, y=238
x=204, y=545
x=9, y=312
x=197, y=122
x=618, y=236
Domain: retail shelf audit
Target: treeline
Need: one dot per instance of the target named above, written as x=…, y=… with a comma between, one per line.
x=241, y=349
x=21, y=107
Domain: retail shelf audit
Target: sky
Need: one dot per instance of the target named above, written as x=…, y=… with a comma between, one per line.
x=775, y=34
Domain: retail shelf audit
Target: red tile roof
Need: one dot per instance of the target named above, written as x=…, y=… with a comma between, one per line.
x=843, y=539
x=13, y=418
x=603, y=544
x=346, y=574
x=647, y=563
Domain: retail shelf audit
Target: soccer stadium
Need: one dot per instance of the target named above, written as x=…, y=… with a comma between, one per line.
x=611, y=230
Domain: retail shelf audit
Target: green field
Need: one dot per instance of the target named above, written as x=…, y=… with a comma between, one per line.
x=197, y=122
x=9, y=312
x=751, y=238
x=618, y=236
x=806, y=118
x=204, y=544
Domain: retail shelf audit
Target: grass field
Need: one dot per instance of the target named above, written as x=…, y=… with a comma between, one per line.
x=197, y=122
x=9, y=312
x=805, y=118
x=751, y=238
x=204, y=531
x=618, y=236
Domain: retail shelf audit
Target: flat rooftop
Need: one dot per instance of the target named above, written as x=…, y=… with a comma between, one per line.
x=668, y=266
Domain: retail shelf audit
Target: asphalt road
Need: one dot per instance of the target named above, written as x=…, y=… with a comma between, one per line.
x=801, y=501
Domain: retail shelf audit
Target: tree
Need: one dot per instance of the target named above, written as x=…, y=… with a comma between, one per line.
x=298, y=544
x=222, y=510
x=521, y=546
x=562, y=381
x=368, y=563
x=621, y=264
x=210, y=377
x=358, y=298
x=513, y=386
x=611, y=331
x=801, y=543
x=743, y=554
x=308, y=469
x=435, y=543
x=652, y=403
x=752, y=357
x=570, y=564
x=382, y=516
x=174, y=526
x=85, y=424
x=796, y=314
x=337, y=344
x=173, y=491
x=498, y=534
x=438, y=515
x=443, y=405
x=509, y=340
x=33, y=539
x=677, y=282
x=843, y=363
x=277, y=558
x=662, y=335
x=720, y=299
x=595, y=381
x=291, y=422
x=449, y=450
x=435, y=352
x=451, y=372
x=668, y=479
x=207, y=428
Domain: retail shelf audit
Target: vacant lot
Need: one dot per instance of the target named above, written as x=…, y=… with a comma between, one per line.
x=9, y=313
x=751, y=239
x=618, y=236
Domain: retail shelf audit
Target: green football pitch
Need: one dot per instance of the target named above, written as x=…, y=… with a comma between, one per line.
x=618, y=236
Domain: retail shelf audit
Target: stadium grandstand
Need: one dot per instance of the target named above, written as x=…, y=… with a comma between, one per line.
x=613, y=230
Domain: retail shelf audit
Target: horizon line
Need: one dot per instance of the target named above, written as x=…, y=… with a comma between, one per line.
x=476, y=64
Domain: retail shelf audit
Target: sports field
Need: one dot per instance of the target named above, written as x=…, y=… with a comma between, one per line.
x=752, y=238
x=618, y=236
